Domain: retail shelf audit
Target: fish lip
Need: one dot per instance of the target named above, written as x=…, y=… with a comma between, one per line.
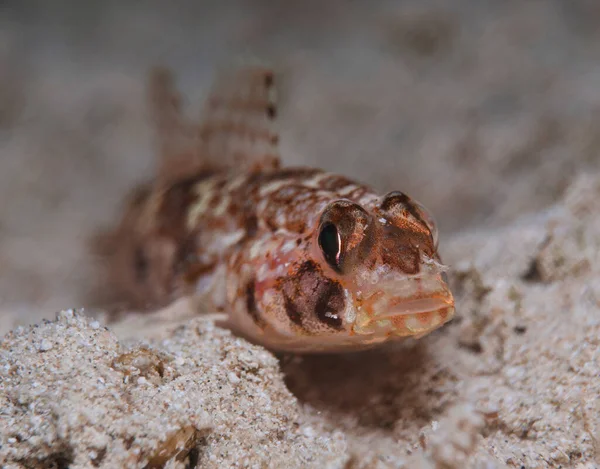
x=407, y=307
x=396, y=308
x=417, y=316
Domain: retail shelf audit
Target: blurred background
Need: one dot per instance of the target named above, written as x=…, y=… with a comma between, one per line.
x=482, y=110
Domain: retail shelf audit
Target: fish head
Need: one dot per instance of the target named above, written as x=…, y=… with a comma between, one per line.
x=370, y=273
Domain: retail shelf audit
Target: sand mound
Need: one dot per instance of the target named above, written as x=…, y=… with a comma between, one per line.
x=513, y=381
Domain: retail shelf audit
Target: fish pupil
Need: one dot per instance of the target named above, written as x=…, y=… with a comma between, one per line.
x=329, y=241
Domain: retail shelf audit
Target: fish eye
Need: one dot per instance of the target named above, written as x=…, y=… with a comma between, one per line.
x=330, y=244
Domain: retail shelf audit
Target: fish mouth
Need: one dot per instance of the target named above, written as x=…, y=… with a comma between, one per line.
x=385, y=315
x=403, y=307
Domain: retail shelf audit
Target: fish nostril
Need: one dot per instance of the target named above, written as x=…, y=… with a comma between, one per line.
x=445, y=278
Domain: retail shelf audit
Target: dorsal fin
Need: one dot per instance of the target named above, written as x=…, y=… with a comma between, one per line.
x=177, y=142
x=238, y=124
x=236, y=130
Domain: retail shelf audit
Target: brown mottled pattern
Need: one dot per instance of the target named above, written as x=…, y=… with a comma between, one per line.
x=287, y=208
x=396, y=201
x=175, y=202
x=335, y=182
x=171, y=224
x=251, y=306
x=414, y=239
x=292, y=174
x=406, y=258
x=243, y=201
x=401, y=247
x=292, y=202
x=309, y=295
x=217, y=195
x=330, y=303
x=358, y=194
x=292, y=310
x=285, y=205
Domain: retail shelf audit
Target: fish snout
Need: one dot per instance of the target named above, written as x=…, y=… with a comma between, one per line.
x=406, y=310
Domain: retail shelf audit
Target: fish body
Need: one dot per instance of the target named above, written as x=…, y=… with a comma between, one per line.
x=298, y=258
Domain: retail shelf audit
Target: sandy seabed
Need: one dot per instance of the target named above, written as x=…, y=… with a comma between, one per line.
x=489, y=114
x=513, y=381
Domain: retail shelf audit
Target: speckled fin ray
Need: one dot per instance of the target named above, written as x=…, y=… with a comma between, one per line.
x=238, y=126
x=236, y=129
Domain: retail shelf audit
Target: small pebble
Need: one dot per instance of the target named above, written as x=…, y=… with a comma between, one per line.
x=45, y=345
x=179, y=361
x=233, y=378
